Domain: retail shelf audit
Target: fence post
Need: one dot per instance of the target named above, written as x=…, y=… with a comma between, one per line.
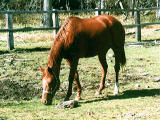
x=158, y=11
x=47, y=17
x=55, y=22
x=96, y=12
x=102, y=6
x=9, y=25
x=132, y=6
x=138, y=22
x=99, y=12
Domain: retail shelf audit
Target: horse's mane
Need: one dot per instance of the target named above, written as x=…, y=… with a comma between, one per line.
x=61, y=35
x=65, y=33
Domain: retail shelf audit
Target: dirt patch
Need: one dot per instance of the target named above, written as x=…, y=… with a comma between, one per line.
x=19, y=90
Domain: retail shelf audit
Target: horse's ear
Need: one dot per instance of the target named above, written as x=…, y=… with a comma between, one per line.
x=49, y=70
x=42, y=69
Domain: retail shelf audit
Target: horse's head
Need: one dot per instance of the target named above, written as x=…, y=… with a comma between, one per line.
x=50, y=84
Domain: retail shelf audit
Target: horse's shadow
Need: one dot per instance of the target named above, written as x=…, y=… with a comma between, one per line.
x=129, y=94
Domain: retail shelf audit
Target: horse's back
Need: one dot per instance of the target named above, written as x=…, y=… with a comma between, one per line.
x=104, y=27
x=95, y=35
x=107, y=25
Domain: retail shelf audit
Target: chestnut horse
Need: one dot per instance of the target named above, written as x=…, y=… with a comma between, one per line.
x=82, y=38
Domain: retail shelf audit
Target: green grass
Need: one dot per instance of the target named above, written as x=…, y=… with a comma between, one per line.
x=21, y=87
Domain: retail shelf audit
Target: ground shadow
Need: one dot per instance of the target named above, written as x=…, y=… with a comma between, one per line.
x=17, y=90
x=151, y=40
x=3, y=118
x=24, y=50
x=129, y=94
x=38, y=49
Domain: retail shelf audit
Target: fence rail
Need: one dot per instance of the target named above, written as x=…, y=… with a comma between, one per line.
x=55, y=27
x=25, y=29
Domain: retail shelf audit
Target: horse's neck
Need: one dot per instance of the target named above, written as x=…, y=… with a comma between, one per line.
x=55, y=56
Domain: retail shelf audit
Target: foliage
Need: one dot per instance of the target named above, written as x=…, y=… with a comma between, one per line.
x=21, y=4
x=71, y=4
x=66, y=4
x=146, y=3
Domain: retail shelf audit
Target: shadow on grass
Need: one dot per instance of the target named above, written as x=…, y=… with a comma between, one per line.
x=38, y=49
x=151, y=40
x=129, y=94
x=23, y=50
x=16, y=90
x=3, y=118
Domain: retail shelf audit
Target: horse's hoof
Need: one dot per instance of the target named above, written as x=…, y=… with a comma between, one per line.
x=77, y=98
x=97, y=93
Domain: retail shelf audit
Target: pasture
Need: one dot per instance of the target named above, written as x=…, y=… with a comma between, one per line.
x=21, y=87
x=20, y=82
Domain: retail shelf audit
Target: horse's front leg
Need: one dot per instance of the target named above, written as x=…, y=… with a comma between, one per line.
x=78, y=85
x=73, y=69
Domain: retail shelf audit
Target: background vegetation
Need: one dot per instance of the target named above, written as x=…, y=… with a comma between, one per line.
x=72, y=4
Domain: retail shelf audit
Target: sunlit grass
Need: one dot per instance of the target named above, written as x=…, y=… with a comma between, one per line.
x=132, y=103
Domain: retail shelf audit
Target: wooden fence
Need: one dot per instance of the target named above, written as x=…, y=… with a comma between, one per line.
x=10, y=30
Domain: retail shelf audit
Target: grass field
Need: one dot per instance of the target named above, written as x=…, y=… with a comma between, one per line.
x=20, y=81
x=20, y=86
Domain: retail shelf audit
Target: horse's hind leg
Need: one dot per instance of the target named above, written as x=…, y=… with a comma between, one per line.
x=78, y=85
x=117, y=68
x=102, y=60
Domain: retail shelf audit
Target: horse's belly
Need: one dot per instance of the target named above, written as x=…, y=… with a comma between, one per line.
x=87, y=48
x=90, y=52
x=88, y=55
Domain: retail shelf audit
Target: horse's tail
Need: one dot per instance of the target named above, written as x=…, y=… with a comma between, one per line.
x=119, y=45
x=122, y=56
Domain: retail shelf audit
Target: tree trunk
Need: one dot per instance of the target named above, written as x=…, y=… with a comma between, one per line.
x=132, y=6
x=47, y=17
x=101, y=6
x=158, y=11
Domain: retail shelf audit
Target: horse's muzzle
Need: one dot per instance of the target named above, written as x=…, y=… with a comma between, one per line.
x=45, y=102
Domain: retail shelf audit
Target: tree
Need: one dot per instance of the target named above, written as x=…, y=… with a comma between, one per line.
x=47, y=17
x=158, y=11
x=132, y=6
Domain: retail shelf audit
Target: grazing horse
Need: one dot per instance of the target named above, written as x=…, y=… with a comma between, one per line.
x=82, y=38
